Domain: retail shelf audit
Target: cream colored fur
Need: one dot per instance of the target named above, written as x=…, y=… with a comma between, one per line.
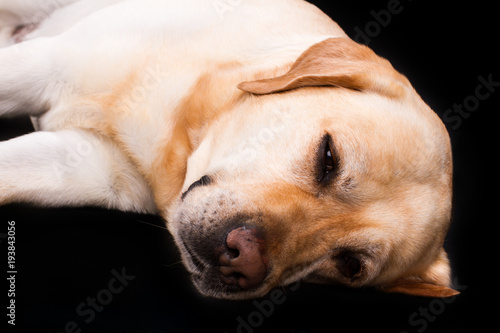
x=136, y=100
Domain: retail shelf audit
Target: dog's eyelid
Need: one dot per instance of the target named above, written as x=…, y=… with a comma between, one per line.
x=203, y=181
x=327, y=160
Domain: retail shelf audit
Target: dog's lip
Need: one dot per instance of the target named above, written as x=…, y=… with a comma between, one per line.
x=194, y=265
x=209, y=284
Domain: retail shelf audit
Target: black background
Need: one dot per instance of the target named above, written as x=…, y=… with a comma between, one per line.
x=64, y=256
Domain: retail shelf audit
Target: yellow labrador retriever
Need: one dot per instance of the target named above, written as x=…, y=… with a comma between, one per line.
x=276, y=148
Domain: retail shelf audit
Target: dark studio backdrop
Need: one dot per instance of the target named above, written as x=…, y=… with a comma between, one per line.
x=93, y=270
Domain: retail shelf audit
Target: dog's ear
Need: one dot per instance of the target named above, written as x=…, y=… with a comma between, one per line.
x=432, y=282
x=338, y=62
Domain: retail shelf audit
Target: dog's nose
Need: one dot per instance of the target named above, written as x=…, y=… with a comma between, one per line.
x=243, y=262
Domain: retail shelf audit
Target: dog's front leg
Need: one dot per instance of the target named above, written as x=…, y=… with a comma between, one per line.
x=29, y=79
x=70, y=168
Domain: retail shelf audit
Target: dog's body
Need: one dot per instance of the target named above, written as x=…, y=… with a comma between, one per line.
x=329, y=167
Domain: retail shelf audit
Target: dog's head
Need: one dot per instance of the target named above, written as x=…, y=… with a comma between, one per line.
x=336, y=172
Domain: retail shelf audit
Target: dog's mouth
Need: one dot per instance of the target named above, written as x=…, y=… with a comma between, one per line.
x=232, y=266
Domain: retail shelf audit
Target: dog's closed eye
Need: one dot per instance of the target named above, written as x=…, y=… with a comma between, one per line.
x=203, y=181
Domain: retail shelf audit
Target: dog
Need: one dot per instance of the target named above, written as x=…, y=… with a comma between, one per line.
x=275, y=147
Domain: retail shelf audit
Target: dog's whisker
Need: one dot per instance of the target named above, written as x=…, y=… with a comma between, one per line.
x=154, y=225
x=172, y=264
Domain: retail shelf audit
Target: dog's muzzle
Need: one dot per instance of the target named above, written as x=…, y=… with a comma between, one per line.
x=226, y=253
